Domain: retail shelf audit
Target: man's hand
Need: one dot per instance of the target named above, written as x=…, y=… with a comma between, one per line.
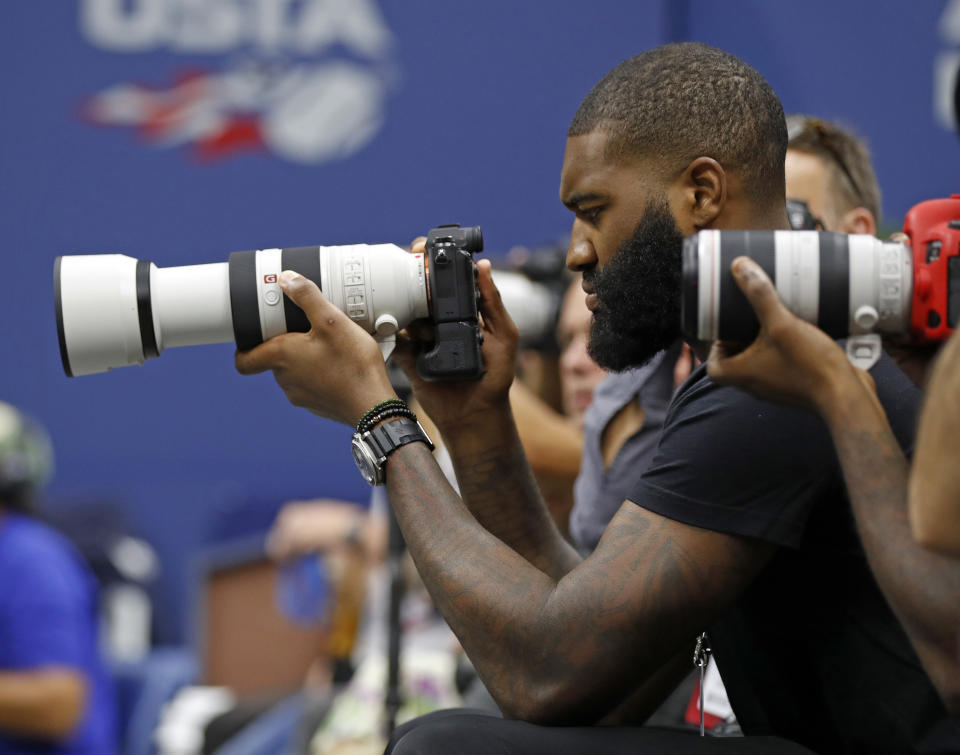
x=791, y=361
x=335, y=370
x=451, y=403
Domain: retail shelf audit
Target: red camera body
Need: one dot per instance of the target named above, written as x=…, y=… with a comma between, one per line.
x=933, y=227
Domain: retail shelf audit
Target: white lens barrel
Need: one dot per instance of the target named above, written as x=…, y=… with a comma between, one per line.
x=97, y=312
x=881, y=285
x=191, y=305
x=113, y=310
x=381, y=287
x=798, y=272
x=273, y=321
x=708, y=253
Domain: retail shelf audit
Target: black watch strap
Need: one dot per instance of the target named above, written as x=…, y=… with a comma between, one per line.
x=371, y=448
x=387, y=437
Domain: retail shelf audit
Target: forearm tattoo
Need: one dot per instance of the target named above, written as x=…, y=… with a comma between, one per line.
x=568, y=649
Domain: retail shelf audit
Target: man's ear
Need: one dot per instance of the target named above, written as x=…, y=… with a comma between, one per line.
x=705, y=191
x=858, y=220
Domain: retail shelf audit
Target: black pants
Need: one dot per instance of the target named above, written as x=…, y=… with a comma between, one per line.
x=465, y=732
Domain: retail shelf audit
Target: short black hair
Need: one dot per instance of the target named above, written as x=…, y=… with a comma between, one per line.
x=685, y=100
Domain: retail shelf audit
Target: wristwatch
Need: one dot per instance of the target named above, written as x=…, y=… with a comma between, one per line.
x=371, y=449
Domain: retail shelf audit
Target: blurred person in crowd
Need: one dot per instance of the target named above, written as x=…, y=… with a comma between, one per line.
x=829, y=168
x=579, y=374
x=621, y=432
x=55, y=695
x=741, y=511
x=793, y=362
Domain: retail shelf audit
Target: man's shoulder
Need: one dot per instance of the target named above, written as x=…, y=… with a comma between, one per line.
x=731, y=462
x=701, y=398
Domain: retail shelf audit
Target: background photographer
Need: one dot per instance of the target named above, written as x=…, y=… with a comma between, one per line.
x=793, y=362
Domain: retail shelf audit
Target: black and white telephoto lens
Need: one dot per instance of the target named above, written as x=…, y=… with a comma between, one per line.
x=844, y=284
x=113, y=310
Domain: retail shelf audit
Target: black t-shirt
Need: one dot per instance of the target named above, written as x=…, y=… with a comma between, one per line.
x=811, y=651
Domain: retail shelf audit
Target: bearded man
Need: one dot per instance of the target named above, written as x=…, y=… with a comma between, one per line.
x=741, y=523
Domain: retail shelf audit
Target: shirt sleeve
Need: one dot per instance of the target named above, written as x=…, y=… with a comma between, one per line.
x=732, y=463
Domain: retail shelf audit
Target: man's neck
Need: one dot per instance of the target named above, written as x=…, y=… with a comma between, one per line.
x=750, y=218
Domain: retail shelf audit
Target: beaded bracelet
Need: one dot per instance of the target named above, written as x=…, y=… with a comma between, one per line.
x=387, y=413
x=380, y=406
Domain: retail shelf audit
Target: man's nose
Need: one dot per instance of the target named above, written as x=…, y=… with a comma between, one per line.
x=580, y=254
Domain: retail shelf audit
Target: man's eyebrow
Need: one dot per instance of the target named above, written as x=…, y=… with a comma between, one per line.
x=578, y=199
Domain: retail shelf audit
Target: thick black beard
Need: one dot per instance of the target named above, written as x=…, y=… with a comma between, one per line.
x=638, y=293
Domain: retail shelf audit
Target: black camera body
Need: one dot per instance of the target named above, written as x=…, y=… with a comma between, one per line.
x=453, y=296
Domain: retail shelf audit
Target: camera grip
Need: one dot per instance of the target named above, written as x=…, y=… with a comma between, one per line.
x=455, y=355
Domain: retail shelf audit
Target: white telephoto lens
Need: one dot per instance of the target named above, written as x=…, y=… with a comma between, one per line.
x=113, y=310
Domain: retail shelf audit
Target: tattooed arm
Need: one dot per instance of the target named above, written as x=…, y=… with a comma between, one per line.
x=793, y=362
x=568, y=650
x=499, y=489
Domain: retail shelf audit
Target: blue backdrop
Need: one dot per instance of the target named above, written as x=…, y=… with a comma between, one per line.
x=182, y=130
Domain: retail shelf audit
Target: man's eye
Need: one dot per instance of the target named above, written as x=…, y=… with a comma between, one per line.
x=591, y=215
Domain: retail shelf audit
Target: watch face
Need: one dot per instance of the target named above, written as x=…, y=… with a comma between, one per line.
x=364, y=460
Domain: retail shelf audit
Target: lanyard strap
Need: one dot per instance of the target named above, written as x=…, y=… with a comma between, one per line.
x=701, y=655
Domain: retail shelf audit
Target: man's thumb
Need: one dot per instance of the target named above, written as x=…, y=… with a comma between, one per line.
x=757, y=287
x=305, y=294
